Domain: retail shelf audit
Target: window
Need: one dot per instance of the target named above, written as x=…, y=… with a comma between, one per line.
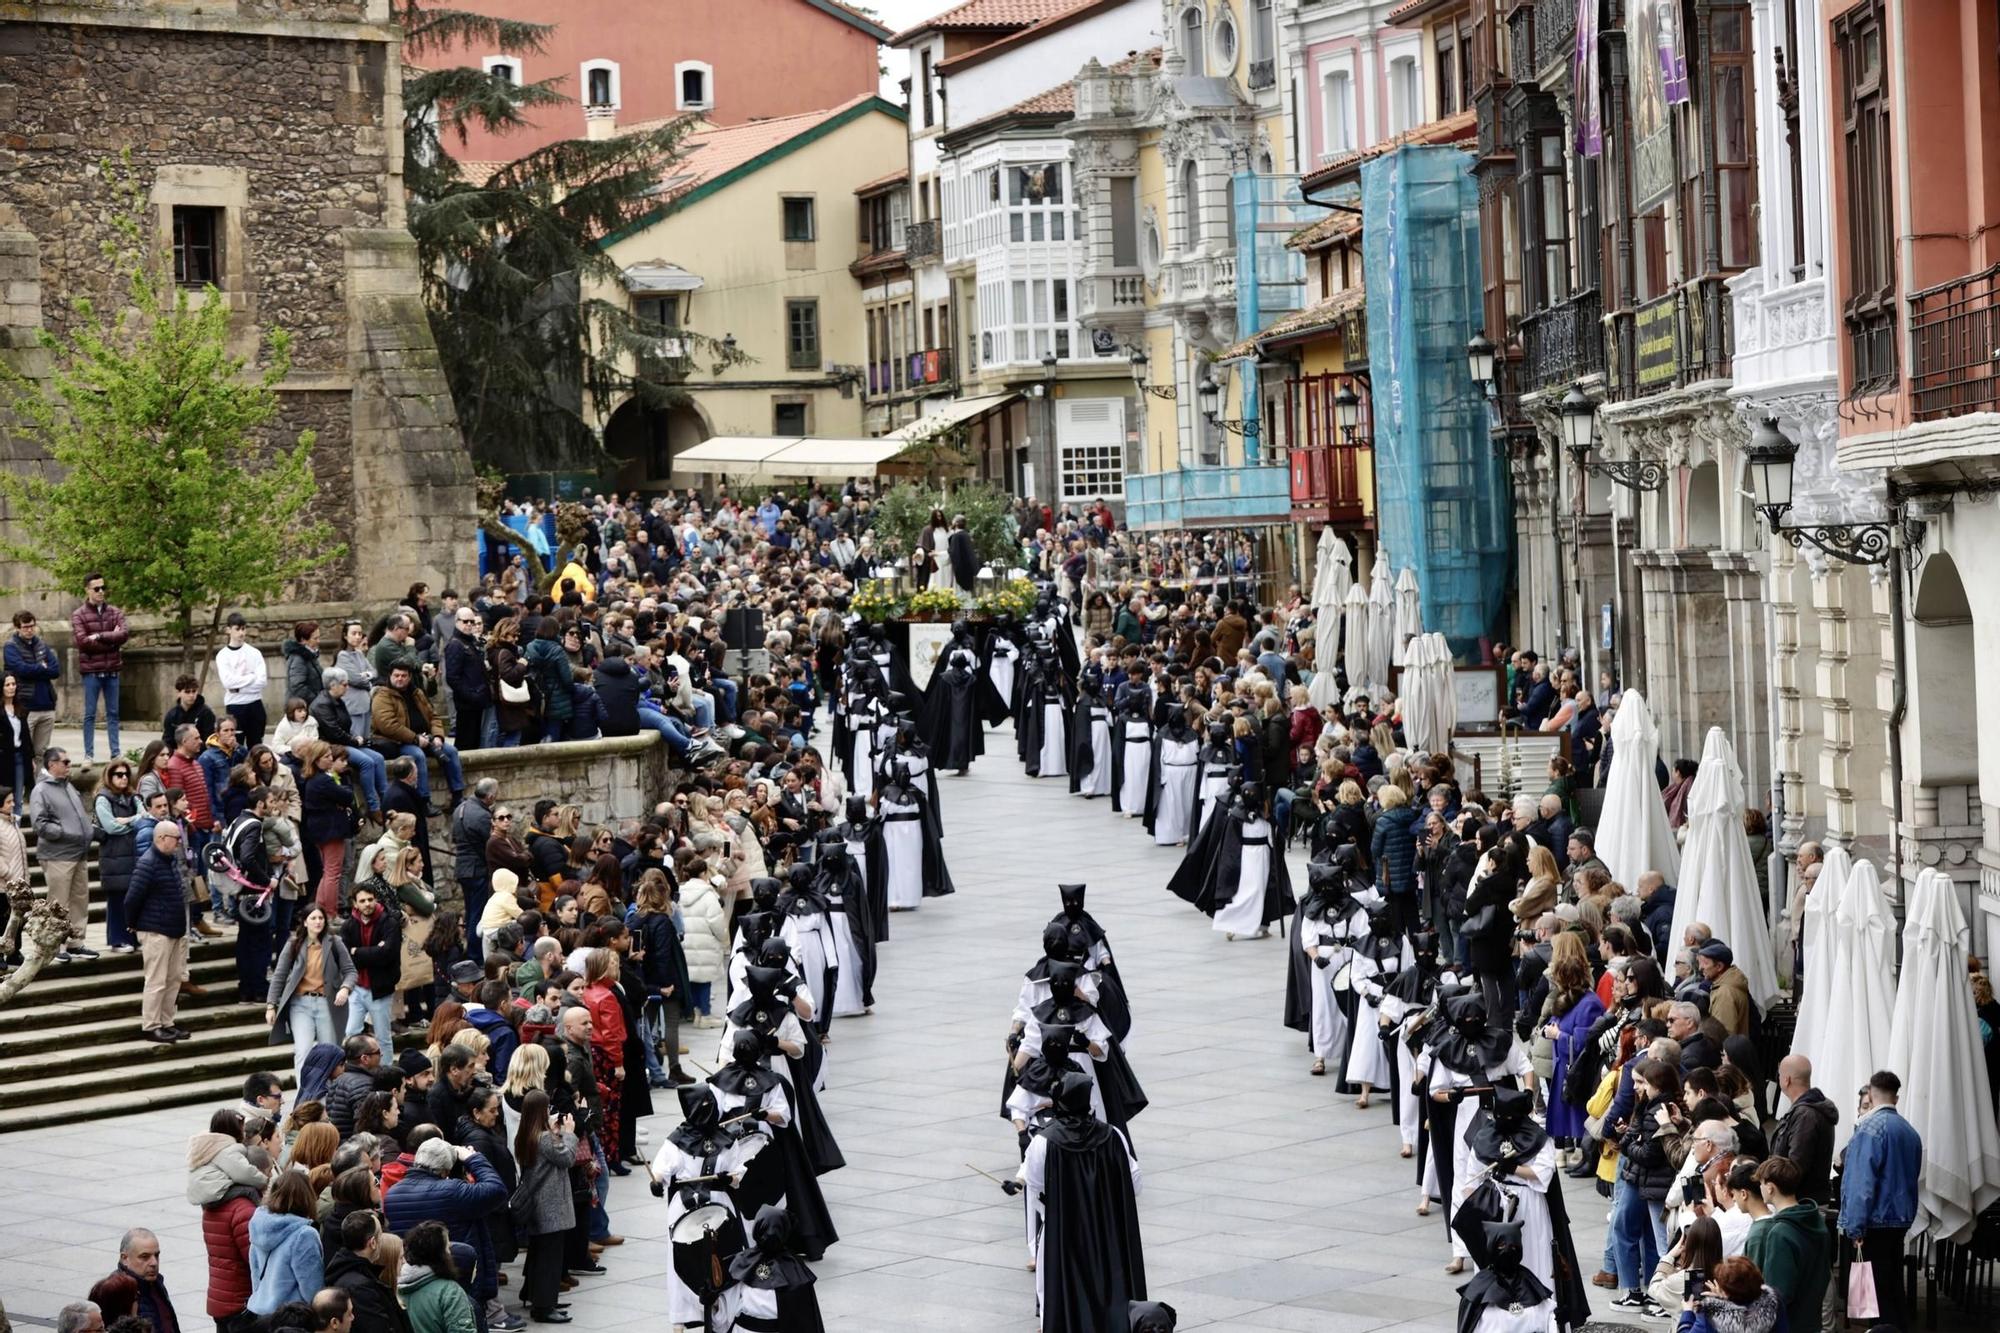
x=600, y=83
x=1190, y=204
x=1090, y=434
x=1192, y=57
x=1223, y=39
x=197, y=246
x=788, y=418
x=802, y=334
x=1547, y=202
x=1406, y=95
x=502, y=68
x=694, y=85
x=1447, y=72
x=1263, y=41
x=662, y=310
x=798, y=219
x=1788, y=75
x=1124, y=222
x=1868, y=308
x=1338, y=86
x=924, y=77
x=1036, y=210
x=1735, y=131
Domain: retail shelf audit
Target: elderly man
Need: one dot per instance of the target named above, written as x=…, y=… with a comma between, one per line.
x=1806, y=1133
x=139, y=1259
x=1702, y=1181
x=400, y=715
x=1551, y=828
x=460, y=1188
x=156, y=910
x=63, y=833
x=80, y=1317
x=1684, y=1026
x=1728, y=989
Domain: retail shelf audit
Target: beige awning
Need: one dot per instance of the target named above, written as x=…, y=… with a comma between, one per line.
x=955, y=413
x=765, y=457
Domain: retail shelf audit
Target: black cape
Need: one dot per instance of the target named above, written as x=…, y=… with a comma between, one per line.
x=1093, y=1265
x=1487, y=1142
x=1491, y=1287
x=782, y=1172
x=1083, y=743
x=995, y=708
x=964, y=561
x=785, y=1276
x=949, y=717
x=838, y=875
x=1157, y=787
x=1219, y=866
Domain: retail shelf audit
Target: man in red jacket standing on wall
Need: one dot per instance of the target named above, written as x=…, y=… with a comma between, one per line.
x=97, y=628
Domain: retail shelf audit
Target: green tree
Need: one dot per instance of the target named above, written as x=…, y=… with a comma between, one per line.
x=510, y=259
x=170, y=484
x=902, y=510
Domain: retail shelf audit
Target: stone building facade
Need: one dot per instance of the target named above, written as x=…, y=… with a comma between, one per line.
x=267, y=135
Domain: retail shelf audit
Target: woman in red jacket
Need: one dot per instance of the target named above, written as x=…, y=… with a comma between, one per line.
x=225, y=1231
x=607, y=1039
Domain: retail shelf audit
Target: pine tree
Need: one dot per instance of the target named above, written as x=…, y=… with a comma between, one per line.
x=531, y=363
x=168, y=485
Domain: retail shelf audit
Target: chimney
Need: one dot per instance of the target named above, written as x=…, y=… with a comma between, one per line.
x=600, y=122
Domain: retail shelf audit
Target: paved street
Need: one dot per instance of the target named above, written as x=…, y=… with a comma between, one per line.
x=1268, y=1203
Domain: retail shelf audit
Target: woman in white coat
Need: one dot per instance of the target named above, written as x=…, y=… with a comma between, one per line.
x=706, y=941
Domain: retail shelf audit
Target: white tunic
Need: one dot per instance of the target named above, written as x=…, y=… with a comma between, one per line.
x=1463, y=1163
x=1531, y=1207
x=1138, y=770
x=903, y=848
x=1245, y=913
x=1055, y=740
x=1368, y=1063
x=863, y=725
x=1097, y=782
x=1001, y=670
x=1034, y=1174
x=847, y=982
x=810, y=938
x=1328, y=1031
x=671, y=1164
x=1178, y=768
x=1213, y=791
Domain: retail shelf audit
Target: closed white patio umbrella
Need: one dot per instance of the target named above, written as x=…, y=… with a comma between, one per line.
x=1409, y=610
x=1354, y=636
x=1632, y=832
x=1430, y=710
x=1332, y=577
x=1718, y=879
x=1816, y=926
x=1381, y=625
x=1854, y=1039
x=1935, y=1048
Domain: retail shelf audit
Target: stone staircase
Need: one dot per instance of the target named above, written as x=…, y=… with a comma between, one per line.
x=70, y=1047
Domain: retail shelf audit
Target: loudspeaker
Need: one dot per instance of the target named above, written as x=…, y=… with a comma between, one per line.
x=743, y=627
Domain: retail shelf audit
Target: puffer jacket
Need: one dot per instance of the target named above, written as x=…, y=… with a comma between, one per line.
x=436, y=1304
x=554, y=676
x=304, y=672
x=1647, y=1159
x=1394, y=850
x=217, y=1164
x=461, y=1204
x=706, y=943
x=225, y=1231
x=99, y=633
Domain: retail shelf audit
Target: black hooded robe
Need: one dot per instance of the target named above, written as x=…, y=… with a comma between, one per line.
x=1093, y=1264
x=1118, y=743
x=839, y=874
x=948, y=718
x=937, y=877
x=1218, y=882
x=782, y=1172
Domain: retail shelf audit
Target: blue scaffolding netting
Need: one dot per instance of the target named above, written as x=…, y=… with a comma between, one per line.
x=1442, y=500
x=1270, y=279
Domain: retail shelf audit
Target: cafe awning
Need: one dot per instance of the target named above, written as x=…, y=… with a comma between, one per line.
x=958, y=412
x=762, y=457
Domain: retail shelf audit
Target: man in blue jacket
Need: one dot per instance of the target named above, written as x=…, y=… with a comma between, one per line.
x=1878, y=1190
x=30, y=658
x=156, y=910
x=460, y=1188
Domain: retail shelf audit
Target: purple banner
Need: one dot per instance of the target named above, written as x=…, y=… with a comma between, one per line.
x=1583, y=82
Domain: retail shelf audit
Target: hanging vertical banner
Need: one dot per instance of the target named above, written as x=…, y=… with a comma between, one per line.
x=1583, y=78
x=1659, y=82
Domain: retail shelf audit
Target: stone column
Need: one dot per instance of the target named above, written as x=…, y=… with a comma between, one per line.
x=1748, y=650
x=1661, y=681
x=1834, y=687
x=1787, y=752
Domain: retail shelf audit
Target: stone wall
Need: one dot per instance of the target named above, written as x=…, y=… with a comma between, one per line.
x=285, y=115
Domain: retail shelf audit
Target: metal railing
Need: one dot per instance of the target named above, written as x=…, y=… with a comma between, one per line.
x=1555, y=32
x=1207, y=497
x=1564, y=342
x=921, y=239
x=1955, y=341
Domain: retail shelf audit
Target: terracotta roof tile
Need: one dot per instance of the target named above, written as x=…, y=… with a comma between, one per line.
x=1073, y=11
x=880, y=183
x=987, y=14
x=1057, y=101
x=1333, y=227
x=1314, y=317
x=476, y=174
x=709, y=153
x=1451, y=129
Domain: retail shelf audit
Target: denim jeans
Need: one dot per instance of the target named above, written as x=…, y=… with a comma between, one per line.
x=447, y=755
x=489, y=730
x=97, y=687
x=365, y=1008
x=704, y=708
x=677, y=737
x=311, y=1017
x=374, y=771
x=600, y=1190
x=506, y=740
x=555, y=729
x=727, y=690
x=698, y=994
x=1281, y=815
x=1636, y=1225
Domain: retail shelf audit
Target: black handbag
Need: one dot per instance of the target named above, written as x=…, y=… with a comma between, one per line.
x=1489, y=922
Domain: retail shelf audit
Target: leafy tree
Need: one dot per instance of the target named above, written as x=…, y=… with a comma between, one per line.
x=902, y=510
x=168, y=487
x=510, y=261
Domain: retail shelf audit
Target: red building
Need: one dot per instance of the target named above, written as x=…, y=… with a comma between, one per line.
x=730, y=61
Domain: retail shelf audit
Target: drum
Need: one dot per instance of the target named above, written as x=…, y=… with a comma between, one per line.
x=697, y=1223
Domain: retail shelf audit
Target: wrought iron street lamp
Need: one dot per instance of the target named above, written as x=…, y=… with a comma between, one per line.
x=1347, y=412
x=1166, y=392
x=1479, y=356
x=1209, y=395
x=1771, y=455
x=1579, y=429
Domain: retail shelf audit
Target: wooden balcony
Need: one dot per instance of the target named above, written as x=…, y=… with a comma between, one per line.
x=1330, y=474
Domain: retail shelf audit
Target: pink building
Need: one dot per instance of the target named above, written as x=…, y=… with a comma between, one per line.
x=729, y=61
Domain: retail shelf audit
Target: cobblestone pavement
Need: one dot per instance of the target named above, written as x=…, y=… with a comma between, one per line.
x=1268, y=1203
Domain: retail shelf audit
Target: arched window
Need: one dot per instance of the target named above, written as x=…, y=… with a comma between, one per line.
x=600, y=83
x=1190, y=204
x=1191, y=44
x=694, y=86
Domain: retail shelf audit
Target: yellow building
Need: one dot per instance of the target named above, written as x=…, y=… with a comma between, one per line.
x=752, y=247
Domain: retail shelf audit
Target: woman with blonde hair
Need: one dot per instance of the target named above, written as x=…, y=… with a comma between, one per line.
x=472, y=1039
x=527, y=1072
x=1539, y=895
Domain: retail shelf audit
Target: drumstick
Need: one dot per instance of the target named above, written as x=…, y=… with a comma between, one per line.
x=988, y=1174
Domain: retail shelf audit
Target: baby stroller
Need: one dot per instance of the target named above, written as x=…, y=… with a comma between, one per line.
x=251, y=902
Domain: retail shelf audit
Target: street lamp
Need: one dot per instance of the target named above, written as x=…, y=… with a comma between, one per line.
x=1139, y=370
x=1479, y=359
x=1209, y=395
x=1347, y=411
x=1579, y=429
x=1771, y=455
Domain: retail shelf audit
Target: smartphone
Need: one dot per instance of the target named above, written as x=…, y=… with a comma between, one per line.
x=1696, y=1280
